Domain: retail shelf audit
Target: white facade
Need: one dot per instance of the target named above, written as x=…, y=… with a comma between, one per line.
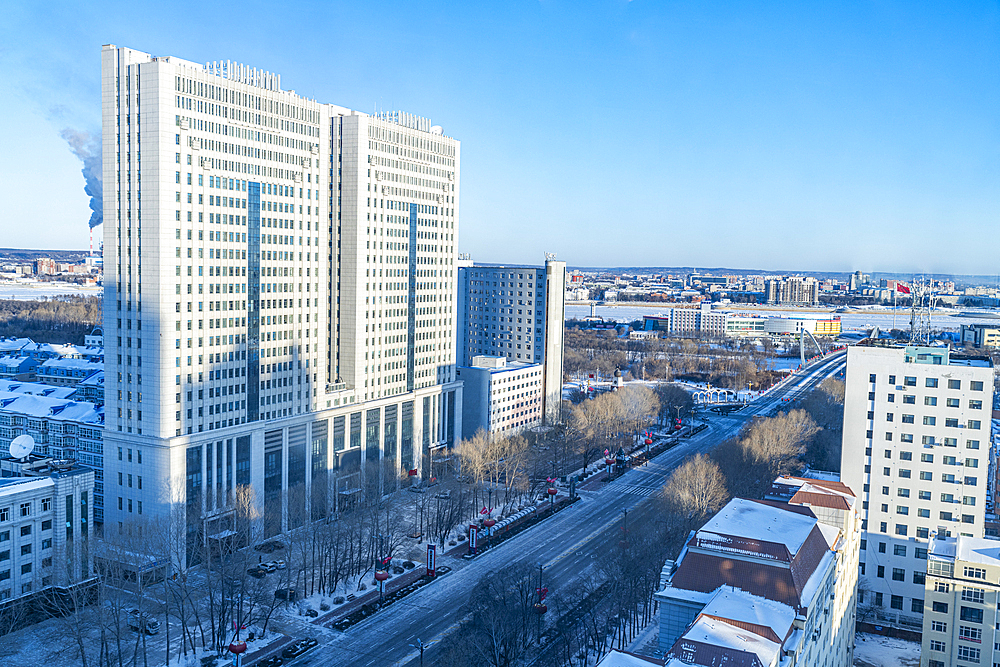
x=517, y=312
x=279, y=288
x=500, y=397
x=46, y=519
x=916, y=450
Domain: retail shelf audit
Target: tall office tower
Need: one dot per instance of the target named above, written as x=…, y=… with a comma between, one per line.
x=517, y=312
x=916, y=451
x=279, y=288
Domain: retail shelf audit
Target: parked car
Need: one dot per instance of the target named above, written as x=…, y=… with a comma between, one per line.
x=141, y=621
x=257, y=572
x=273, y=661
x=279, y=564
x=270, y=546
x=298, y=648
x=287, y=594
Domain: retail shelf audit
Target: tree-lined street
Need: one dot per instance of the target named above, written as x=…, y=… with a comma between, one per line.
x=570, y=546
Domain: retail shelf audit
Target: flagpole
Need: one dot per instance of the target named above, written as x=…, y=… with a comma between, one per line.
x=895, y=289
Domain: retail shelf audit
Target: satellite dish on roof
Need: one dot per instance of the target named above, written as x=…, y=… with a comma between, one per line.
x=21, y=446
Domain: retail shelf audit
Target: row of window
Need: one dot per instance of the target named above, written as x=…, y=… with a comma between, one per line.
x=930, y=401
x=895, y=602
x=25, y=509
x=965, y=653
x=928, y=420
x=902, y=529
x=911, y=381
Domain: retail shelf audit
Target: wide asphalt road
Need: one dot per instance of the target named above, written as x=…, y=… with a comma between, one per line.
x=567, y=546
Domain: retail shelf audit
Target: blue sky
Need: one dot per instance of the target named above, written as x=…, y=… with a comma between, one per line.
x=799, y=135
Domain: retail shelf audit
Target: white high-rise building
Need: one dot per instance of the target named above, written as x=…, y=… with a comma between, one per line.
x=916, y=451
x=280, y=287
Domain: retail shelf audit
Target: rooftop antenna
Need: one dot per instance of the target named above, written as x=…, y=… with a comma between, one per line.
x=921, y=305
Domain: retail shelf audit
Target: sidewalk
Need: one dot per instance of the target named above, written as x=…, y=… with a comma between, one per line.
x=647, y=641
x=371, y=595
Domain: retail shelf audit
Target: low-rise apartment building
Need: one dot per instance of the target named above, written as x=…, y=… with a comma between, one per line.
x=67, y=370
x=500, y=396
x=961, y=596
x=798, y=556
x=46, y=519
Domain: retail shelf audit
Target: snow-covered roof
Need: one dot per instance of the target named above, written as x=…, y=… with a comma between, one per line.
x=83, y=364
x=942, y=549
x=720, y=637
x=10, y=486
x=62, y=350
x=45, y=407
x=830, y=494
x=621, y=659
x=978, y=550
x=757, y=521
x=96, y=380
x=36, y=389
x=13, y=344
x=830, y=533
x=737, y=605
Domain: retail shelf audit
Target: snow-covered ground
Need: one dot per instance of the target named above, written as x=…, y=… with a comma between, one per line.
x=33, y=291
x=878, y=651
x=884, y=318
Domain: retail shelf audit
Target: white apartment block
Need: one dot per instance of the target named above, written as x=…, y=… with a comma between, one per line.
x=279, y=291
x=500, y=397
x=517, y=312
x=916, y=450
x=961, y=622
x=46, y=520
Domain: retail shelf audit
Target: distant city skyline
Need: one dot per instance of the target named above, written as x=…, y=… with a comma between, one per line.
x=827, y=137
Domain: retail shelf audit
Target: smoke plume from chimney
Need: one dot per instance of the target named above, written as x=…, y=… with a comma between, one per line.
x=88, y=148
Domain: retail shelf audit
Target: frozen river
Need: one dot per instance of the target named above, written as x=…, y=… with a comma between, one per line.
x=849, y=321
x=37, y=290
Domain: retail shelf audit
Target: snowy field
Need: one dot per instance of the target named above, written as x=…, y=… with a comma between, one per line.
x=33, y=291
x=882, y=318
x=878, y=651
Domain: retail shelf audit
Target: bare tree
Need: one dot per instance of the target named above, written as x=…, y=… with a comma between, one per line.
x=780, y=441
x=696, y=490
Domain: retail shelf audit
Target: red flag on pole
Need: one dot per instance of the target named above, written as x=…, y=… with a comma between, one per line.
x=900, y=287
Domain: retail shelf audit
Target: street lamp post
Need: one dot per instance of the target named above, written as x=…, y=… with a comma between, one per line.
x=420, y=646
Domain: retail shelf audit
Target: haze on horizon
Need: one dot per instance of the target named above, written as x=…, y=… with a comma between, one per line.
x=818, y=137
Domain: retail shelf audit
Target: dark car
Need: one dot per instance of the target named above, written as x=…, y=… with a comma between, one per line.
x=288, y=594
x=257, y=573
x=298, y=648
x=273, y=661
x=270, y=546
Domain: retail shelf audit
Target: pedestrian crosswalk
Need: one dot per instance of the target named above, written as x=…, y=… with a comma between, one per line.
x=636, y=490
